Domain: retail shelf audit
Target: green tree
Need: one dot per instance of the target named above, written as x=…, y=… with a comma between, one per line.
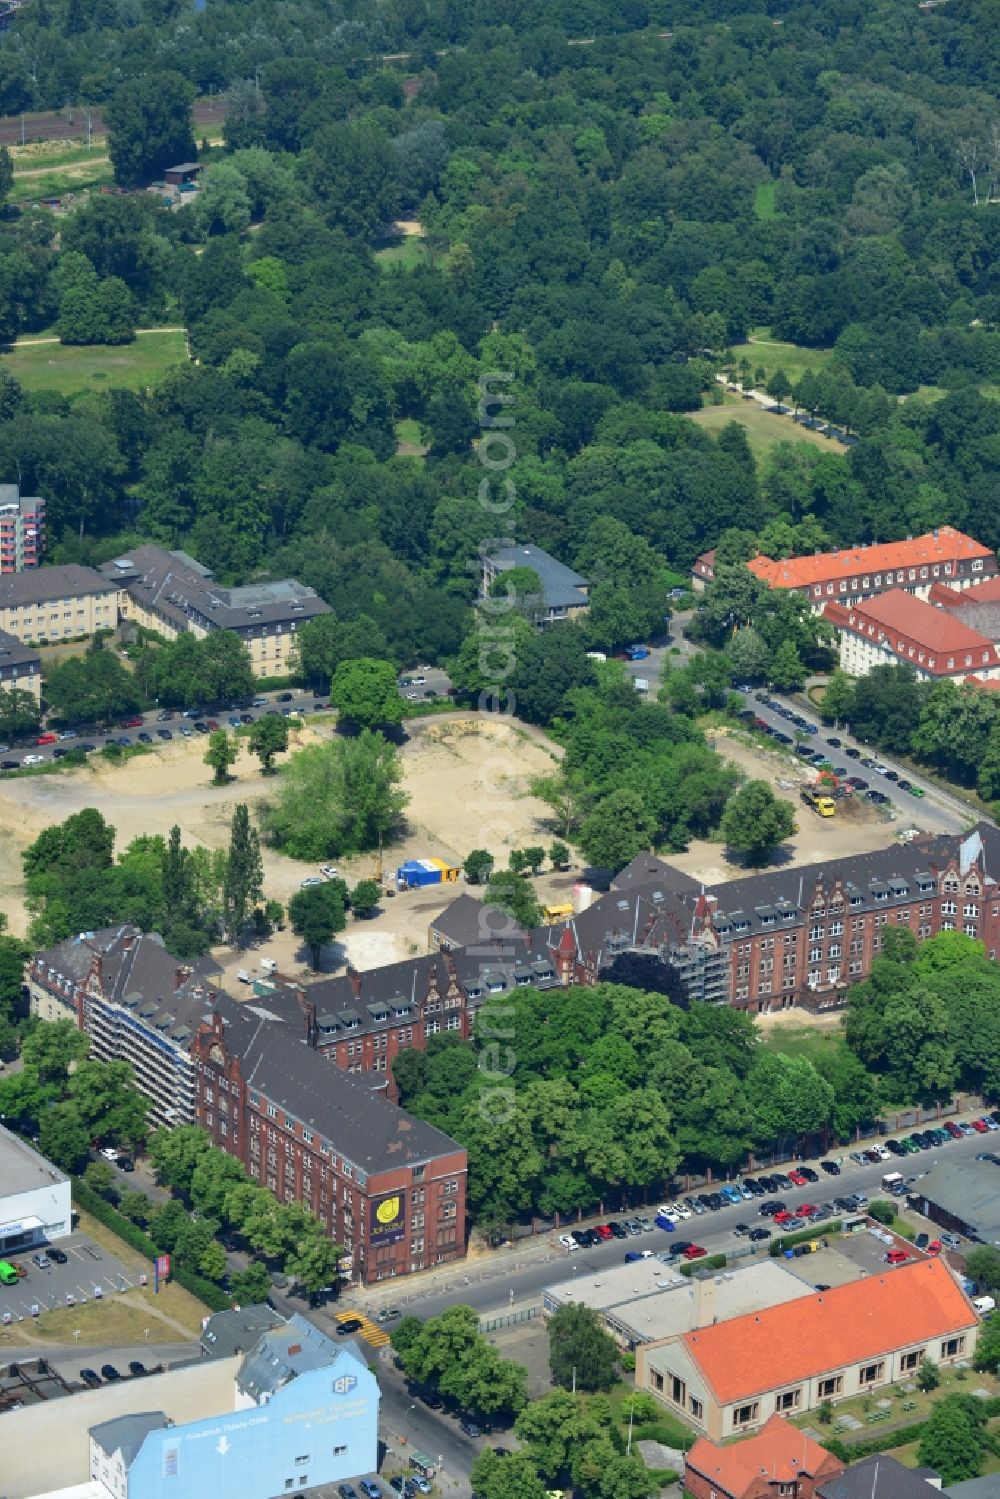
x=787, y=672
x=52, y=1051
x=314, y=1261
x=512, y=1477
x=987, y=1354
x=982, y=1264
x=559, y=855
x=779, y=386
x=326, y=641
x=928, y=1375
x=882, y=1211
x=954, y=1442
x=268, y=737
x=749, y=654
x=252, y=1286
x=149, y=126
x=222, y=752
x=19, y=713
x=513, y=893
x=317, y=915
x=176, y=1152
x=99, y=1177
x=756, y=821
x=135, y=1206
x=93, y=688
x=581, y=1350
x=244, y=879
x=365, y=897
x=838, y=698
x=365, y=692
x=63, y=1137
x=618, y=828
x=478, y=866
x=336, y=798
x=108, y=1102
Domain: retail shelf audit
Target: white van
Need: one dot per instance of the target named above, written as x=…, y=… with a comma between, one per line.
x=984, y=1305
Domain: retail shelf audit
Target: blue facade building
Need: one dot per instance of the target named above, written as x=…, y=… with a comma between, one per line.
x=305, y=1412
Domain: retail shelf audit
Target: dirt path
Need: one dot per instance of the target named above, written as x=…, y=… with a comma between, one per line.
x=67, y=167
x=28, y=343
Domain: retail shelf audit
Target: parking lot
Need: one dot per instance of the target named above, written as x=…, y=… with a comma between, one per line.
x=90, y=1272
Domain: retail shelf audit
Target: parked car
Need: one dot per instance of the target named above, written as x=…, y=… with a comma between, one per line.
x=567, y=1241
x=109, y=1373
x=897, y=1256
x=41, y=1260
x=830, y=1167
x=758, y=1235
x=58, y=1256
x=136, y=1368
x=349, y=1325
x=164, y=734
x=469, y=1427
x=33, y=760
x=91, y=1378
x=144, y=738
x=370, y=1488
x=311, y=881
x=695, y=1252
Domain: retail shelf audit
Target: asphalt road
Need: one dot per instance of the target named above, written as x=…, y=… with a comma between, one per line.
x=493, y=1289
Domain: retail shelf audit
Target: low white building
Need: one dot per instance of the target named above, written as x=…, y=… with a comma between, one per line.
x=35, y=1203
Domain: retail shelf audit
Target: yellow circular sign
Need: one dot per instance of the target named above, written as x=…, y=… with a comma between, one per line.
x=388, y=1211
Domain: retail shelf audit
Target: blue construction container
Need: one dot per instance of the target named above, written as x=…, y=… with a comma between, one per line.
x=417, y=872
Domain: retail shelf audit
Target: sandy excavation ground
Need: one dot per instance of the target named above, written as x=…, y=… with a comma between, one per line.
x=468, y=780
x=858, y=826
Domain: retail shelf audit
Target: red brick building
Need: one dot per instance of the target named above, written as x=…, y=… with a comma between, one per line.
x=388, y=1187
x=780, y=1462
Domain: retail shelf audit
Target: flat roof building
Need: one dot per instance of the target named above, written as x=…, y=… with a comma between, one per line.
x=649, y=1300
x=22, y=529
x=962, y=1197
x=35, y=1205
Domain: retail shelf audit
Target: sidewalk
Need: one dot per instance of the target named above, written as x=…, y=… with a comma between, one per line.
x=496, y=1265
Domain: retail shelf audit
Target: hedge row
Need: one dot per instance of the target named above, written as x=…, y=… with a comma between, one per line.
x=711, y=1262
x=852, y=1452
x=213, y=1296
x=819, y=1231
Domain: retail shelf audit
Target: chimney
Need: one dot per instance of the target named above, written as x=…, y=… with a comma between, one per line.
x=355, y=981
x=704, y=1301
x=312, y=1033
x=181, y=975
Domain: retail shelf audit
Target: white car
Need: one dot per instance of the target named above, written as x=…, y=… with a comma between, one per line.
x=329, y=871
x=567, y=1242
x=33, y=760
x=311, y=882
x=681, y=1210
x=666, y=1210
x=109, y=1153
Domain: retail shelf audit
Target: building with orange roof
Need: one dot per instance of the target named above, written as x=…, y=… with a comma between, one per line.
x=732, y=1376
x=780, y=1461
x=854, y=574
x=897, y=629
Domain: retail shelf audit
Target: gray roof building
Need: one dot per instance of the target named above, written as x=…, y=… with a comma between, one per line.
x=987, y=1487
x=238, y=1330
x=564, y=592
x=282, y=1354
x=963, y=1196
x=466, y=921
x=41, y=584
x=181, y=592
x=882, y=1477
x=126, y=1434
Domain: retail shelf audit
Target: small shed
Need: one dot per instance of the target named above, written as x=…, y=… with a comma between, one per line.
x=186, y=172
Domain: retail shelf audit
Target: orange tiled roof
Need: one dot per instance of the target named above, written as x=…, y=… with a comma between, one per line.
x=989, y=686
x=787, y=1344
x=983, y=593
x=779, y=1449
x=944, y=545
x=899, y=613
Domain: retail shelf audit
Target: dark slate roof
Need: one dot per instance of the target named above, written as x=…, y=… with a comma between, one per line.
x=39, y=584
x=349, y=1110
x=126, y=1434
x=181, y=589
x=516, y=963
x=285, y=1352
x=562, y=588
x=466, y=921
x=648, y=916
x=648, y=869
x=239, y=1330
x=973, y=1488
x=137, y=973
x=13, y=653
x=881, y=1477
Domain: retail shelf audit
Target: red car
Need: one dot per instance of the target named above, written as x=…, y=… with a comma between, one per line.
x=896, y=1257
x=603, y=1231
x=213, y=724
x=977, y=1124
x=797, y=1178
x=132, y=723
x=46, y=738
x=806, y=1209
x=953, y=1129
x=694, y=1252
x=934, y=1247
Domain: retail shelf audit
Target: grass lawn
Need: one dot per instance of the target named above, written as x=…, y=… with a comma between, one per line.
x=87, y=172
x=764, y=430
x=406, y=256
x=670, y=1431
x=763, y=202
x=802, y=1041
x=70, y=369
x=773, y=355
x=409, y=443
x=921, y=1406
